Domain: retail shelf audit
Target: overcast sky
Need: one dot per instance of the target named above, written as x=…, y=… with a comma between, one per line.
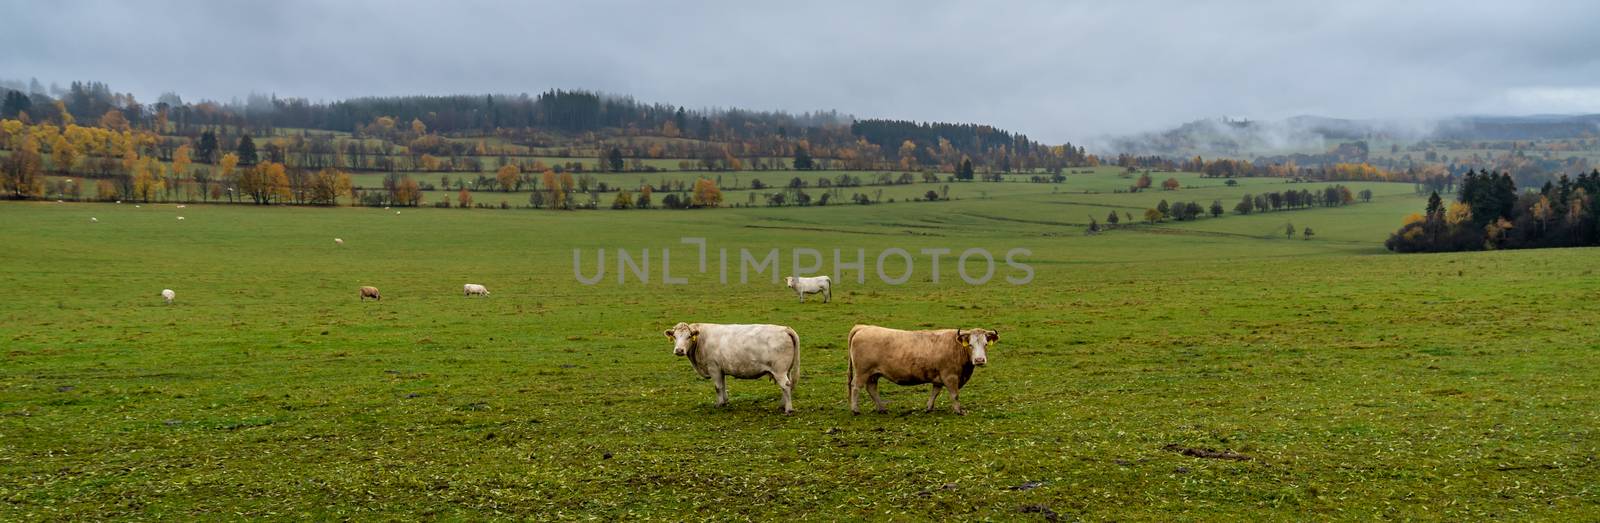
x=1055, y=70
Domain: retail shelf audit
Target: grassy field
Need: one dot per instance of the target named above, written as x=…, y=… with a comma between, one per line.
x=1362, y=385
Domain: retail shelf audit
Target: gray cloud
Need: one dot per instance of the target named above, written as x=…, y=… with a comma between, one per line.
x=1055, y=70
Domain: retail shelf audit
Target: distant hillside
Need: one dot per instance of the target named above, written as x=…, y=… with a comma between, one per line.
x=1310, y=134
x=561, y=123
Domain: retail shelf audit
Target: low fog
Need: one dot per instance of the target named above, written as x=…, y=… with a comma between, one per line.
x=1053, y=70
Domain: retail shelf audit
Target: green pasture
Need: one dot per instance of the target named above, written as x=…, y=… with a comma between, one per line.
x=1359, y=384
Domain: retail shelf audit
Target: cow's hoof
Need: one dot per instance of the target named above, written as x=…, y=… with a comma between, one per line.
x=883, y=411
x=961, y=413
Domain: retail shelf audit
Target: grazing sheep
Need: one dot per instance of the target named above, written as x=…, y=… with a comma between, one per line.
x=136, y=206
x=94, y=220
x=168, y=295
x=397, y=212
x=370, y=292
x=337, y=241
x=180, y=218
x=474, y=289
x=182, y=206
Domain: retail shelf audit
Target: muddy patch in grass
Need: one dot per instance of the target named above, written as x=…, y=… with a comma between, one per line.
x=1206, y=453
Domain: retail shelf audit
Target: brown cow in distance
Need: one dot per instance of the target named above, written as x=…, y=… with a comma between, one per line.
x=370, y=292
x=945, y=358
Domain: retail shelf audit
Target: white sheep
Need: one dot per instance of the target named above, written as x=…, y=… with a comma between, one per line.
x=168, y=295
x=180, y=218
x=338, y=241
x=94, y=220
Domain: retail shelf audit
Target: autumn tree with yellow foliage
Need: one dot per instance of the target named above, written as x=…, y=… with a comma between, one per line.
x=146, y=178
x=63, y=154
x=265, y=183
x=327, y=186
x=507, y=177
x=24, y=170
x=706, y=194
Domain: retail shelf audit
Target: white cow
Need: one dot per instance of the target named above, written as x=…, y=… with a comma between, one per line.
x=473, y=288
x=813, y=285
x=742, y=351
x=337, y=241
x=168, y=295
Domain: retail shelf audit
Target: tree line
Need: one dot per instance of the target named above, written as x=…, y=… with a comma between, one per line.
x=719, y=139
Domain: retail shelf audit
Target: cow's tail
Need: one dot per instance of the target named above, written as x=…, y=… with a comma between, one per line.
x=794, y=363
x=850, y=359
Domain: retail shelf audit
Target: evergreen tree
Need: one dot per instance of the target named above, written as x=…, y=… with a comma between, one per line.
x=802, y=159
x=207, y=148
x=965, y=171
x=614, y=158
x=15, y=103
x=246, y=151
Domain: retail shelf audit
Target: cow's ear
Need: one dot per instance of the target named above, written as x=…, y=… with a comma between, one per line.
x=994, y=336
x=694, y=333
x=669, y=335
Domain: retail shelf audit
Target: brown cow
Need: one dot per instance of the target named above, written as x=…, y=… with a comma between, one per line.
x=945, y=358
x=370, y=292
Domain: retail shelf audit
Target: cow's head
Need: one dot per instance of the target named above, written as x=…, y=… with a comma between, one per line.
x=977, y=342
x=683, y=338
x=788, y=281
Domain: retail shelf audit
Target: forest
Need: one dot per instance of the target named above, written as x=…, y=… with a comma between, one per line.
x=1490, y=213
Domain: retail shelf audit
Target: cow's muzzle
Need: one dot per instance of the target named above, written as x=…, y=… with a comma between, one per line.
x=980, y=361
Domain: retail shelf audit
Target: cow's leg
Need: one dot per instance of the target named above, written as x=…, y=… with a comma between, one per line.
x=954, y=384
x=872, y=390
x=722, y=388
x=827, y=294
x=802, y=296
x=855, y=379
x=933, y=396
x=787, y=386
